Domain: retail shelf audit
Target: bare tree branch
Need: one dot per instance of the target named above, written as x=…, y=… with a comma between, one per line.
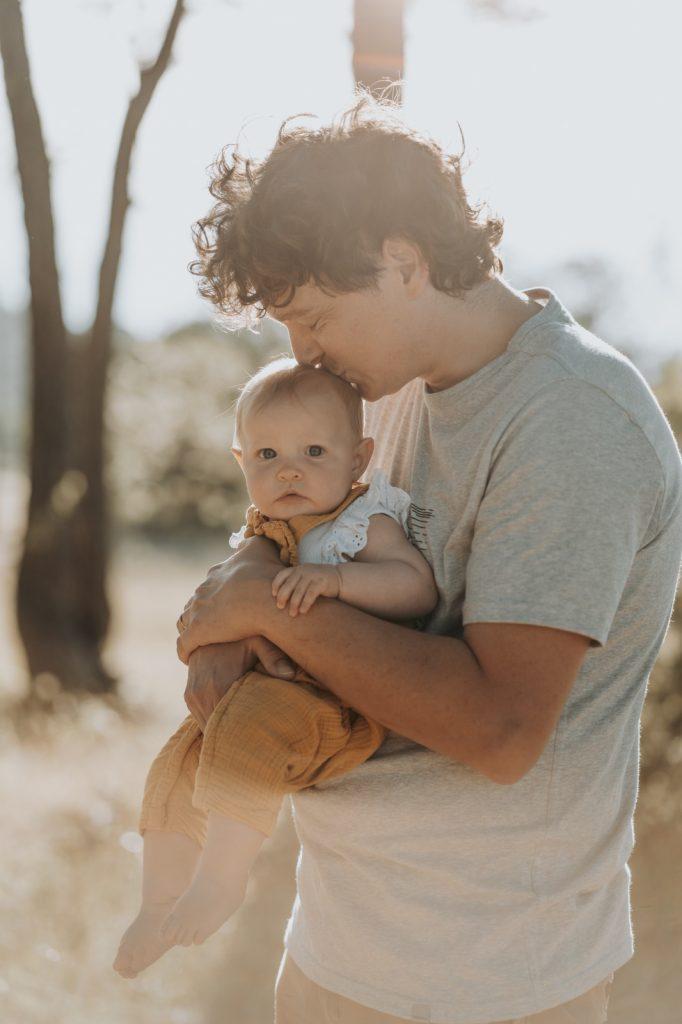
x=149, y=79
x=89, y=542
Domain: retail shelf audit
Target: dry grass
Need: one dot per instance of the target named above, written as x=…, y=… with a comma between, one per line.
x=70, y=787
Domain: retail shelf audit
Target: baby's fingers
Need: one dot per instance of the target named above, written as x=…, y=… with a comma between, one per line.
x=311, y=596
x=279, y=579
x=303, y=588
x=287, y=588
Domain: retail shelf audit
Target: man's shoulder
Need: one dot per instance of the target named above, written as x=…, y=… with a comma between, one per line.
x=572, y=372
x=562, y=352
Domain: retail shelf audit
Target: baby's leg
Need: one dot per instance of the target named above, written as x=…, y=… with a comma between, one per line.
x=266, y=737
x=174, y=832
x=168, y=866
x=219, y=885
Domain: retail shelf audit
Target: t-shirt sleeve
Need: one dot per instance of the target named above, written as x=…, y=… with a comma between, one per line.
x=572, y=494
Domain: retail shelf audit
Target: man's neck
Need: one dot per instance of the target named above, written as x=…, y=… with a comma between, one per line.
x=465, y=334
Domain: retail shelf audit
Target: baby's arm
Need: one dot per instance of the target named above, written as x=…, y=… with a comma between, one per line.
x=389, y=577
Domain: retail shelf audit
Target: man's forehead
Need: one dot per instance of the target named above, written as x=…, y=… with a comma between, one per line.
x=306, y=300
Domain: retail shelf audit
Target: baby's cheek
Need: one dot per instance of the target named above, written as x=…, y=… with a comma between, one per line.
x=259, y=482
x=338, y=481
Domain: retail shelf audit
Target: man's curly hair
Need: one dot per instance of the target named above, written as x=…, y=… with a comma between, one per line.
x=320, y=205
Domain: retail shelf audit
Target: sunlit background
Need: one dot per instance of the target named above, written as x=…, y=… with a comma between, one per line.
x=569, y=111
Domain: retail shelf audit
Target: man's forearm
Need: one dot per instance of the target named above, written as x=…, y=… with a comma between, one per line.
x=428, y=688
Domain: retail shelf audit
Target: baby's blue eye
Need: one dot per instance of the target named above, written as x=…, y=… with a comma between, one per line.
x=315, y=449
x=264, y=455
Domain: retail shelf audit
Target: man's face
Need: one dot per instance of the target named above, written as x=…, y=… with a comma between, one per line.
x=362, y=336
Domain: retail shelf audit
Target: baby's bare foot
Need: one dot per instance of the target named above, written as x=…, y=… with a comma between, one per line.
x=208, y=903
x=141, y=944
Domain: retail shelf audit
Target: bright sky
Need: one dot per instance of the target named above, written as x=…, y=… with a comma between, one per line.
x=570, y=118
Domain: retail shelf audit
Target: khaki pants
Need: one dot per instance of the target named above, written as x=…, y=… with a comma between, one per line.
x=298, y=1000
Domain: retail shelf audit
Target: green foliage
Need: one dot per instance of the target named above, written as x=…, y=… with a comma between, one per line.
x=170, y=427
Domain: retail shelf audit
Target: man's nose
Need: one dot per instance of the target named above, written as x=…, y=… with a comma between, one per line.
x=304, y=346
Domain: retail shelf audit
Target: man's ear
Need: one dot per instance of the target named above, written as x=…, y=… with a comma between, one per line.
x=363, y=453
x=407, y=258
x=238, y=456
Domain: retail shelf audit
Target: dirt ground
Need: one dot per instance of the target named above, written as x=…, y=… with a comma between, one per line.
x=70, y=857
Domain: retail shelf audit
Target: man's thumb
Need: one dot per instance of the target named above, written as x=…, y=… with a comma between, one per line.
x=274, y=662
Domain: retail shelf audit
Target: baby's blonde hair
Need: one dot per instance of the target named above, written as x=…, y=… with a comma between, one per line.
x=282, y=377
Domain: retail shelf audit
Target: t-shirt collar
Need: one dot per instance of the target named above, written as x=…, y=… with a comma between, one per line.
x=552, y=311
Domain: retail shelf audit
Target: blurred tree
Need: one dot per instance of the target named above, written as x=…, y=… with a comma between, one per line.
x=62, y=606
x=378, y=44
x=378, y=39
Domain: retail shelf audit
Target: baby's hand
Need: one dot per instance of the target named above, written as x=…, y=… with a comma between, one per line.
x=301, y=585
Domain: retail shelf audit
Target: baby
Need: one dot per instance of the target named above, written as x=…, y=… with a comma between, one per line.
x=299, y=442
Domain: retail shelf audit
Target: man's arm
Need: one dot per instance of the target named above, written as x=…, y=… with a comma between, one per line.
x=490, y=700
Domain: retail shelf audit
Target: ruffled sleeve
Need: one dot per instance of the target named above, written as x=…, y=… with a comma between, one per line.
x=237, y=538
x=348, y=533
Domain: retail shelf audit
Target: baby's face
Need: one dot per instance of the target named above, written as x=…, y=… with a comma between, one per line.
x=300, y=455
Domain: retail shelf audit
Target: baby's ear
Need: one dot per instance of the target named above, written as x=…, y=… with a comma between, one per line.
x=363, y=453
x=238, y=456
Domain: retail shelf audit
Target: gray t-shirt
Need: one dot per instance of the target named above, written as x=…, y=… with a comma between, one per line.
x=546, y=489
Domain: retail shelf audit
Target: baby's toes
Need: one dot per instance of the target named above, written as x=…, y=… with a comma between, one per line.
x=169, y=929
x=123, y=964
x=200, y=935
x=186, y=937
x=176, y=931
x=120, y=960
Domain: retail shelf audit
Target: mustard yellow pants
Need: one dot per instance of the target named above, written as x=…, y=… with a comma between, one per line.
x=265, y=738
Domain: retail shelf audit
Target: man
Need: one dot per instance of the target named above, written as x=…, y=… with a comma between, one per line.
x=475, y=869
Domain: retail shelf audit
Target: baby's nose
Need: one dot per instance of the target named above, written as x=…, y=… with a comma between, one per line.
x=289, y=473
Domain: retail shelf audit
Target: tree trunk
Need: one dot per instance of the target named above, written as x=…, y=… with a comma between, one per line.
x=378, y=44
x=45, y=585
x=62, y=608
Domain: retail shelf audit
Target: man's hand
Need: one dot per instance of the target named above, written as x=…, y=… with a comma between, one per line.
x=301, y=585
x=224, y=608
x=214, y=668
